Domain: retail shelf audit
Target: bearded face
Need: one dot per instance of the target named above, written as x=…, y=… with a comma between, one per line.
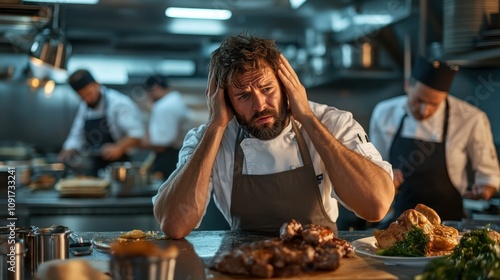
x=266, y=131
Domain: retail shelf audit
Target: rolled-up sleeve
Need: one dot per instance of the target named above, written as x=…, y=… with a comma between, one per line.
x=351, y=134
x=127, y=118
x=483, y=155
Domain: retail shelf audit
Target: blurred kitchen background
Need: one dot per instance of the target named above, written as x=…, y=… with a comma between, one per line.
x=348, y=53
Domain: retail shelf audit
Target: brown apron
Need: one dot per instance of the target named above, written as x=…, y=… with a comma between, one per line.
x=265, y=202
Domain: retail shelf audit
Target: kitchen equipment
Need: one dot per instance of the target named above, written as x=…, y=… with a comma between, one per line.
x=127, y=178
x=22, y=171
x=151, y=267
x=82, y=187
x=362, y=56
x=29, y=237
x=53, y=243
x=12, y=259
x=15, y=151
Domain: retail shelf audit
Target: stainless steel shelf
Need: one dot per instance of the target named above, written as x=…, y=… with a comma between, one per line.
x=478, y=58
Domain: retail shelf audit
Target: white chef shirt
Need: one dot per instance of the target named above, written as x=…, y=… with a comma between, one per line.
x=123, y=116
x=280, y=154
x=168, y=115
x=469, y=134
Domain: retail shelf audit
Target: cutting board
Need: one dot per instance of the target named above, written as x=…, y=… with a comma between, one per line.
x=350, y=268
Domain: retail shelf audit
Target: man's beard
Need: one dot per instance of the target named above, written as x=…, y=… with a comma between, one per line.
x=266, y=132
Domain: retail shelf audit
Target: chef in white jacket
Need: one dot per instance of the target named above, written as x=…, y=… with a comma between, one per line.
x=429, y=137
x=108, y=124
x=168, y=117
x=267, y=154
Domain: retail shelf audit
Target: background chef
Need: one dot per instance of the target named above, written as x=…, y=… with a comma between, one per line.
x=429, y=137
x=107, y=126
x=168, y=117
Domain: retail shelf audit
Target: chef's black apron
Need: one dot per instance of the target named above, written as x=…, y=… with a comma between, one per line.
x=426, y=179
x=265, y=202
x=165, y=162
x=97, y=134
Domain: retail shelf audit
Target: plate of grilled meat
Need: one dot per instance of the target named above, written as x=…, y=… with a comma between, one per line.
x=415, y=238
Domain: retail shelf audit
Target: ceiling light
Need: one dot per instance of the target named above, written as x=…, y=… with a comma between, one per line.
x=49, y=52
x=90, y=2
x=295, y=4
x=51, y=48
x=198, y=13
x=193, y=27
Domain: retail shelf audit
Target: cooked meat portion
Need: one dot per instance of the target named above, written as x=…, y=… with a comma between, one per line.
x=429, y=213
x=290, y=230
x=442, y=238
x=388, y=237
x=316, y=234
x=494, y=235
x=299, y=249
x=397, y=230
x=411, y=217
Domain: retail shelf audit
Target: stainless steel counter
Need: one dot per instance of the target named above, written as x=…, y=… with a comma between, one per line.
x=199, y=248
x=44, y=208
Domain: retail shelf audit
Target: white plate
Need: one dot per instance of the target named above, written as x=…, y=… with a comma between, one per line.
x=368, y=246
x=102, y=241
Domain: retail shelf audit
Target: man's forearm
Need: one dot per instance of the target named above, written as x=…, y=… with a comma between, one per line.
x=128, y=142
x=364, y=186
x=180, y=205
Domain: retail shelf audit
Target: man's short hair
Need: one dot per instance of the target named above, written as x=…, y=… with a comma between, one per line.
x=240, y=54
x=155, y=79
x=80, y=79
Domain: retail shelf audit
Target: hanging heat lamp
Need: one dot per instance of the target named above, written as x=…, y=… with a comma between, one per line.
x=49, y=52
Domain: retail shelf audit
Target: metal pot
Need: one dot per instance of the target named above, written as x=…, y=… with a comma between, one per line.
x=53, y=243
x=30, y=240
x=12, y=256
x=140, y=267
x=127, y=178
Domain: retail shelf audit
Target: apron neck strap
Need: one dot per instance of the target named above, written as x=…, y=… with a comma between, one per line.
x=445, y=121
x=240, y=136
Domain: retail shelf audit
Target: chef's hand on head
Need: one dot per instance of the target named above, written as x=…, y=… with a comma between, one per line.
x=220, y=113
x=111, y=152
x=296, y=92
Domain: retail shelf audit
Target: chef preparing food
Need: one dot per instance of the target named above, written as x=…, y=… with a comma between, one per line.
x=429, y=137
x=165, y=128
x=268, y=154
x=106, y=127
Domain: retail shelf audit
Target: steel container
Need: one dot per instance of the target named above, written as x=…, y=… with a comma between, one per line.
x=53, y=243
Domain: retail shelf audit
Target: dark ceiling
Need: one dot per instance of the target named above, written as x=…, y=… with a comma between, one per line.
x=140, y=28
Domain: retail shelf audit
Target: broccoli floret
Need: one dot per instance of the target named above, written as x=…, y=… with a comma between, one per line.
x=413, y=245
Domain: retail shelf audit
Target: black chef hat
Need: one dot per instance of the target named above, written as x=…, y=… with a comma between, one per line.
x=156, y=79
x=80, y=79
x=435, y=74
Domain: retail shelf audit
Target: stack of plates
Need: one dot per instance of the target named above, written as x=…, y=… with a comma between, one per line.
x=463, y=21
x=82, y=187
